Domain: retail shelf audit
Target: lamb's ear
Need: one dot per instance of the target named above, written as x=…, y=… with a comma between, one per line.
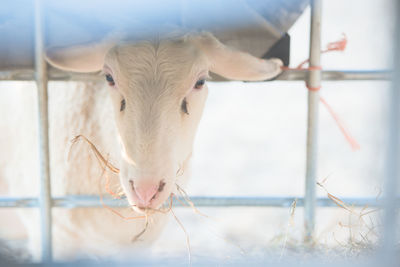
x=233, y=64
x=82, y=58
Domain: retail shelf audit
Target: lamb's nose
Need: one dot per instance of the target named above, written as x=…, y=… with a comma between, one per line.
x=147, y=192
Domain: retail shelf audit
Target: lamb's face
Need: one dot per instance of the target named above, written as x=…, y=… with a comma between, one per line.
x=158, y=93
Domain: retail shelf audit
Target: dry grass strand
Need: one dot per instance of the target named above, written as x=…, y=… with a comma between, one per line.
x=187, y=236
x=355, y=245
x=187, y=199
x=102, y=161
x=136, y=237
x=290, y=223
x=189, y=203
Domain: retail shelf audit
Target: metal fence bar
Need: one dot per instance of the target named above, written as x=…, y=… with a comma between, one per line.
x=287, y=75
x=41, y=81
x=86, y=201
x=338, y=75
x=313, y=81
x=392, y=161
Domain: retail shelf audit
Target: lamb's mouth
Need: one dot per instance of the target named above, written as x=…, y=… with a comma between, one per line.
x=164, y=207
x=147, y=211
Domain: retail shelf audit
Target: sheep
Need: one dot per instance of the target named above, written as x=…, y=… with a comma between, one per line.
x=144, y=118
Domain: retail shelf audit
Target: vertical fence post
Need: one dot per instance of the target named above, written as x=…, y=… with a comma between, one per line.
x=392, y=172
x=313, y=81
x=41, y=82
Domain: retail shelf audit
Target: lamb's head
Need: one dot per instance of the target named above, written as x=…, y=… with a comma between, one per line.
x=158, y=92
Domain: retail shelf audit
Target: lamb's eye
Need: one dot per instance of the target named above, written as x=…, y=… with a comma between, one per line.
x=199, y=84
x=184, y=106
x=123, y=104
x=110, y=80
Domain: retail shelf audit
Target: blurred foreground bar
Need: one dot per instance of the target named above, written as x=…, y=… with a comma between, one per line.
x=289, y=75
x=199, y=201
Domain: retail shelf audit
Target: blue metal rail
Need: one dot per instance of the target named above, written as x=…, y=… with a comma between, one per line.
x=78, y=201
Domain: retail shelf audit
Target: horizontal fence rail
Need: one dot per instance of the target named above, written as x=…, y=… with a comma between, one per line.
x=82, y=201
x=287, y=75
x=338, y=75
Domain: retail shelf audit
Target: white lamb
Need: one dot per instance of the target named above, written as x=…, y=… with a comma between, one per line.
x=147, y=127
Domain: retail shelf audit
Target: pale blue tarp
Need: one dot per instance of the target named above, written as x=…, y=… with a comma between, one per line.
x=250, y=25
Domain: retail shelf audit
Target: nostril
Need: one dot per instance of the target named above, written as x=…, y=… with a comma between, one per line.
x=161, y=186
x=132, y=185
